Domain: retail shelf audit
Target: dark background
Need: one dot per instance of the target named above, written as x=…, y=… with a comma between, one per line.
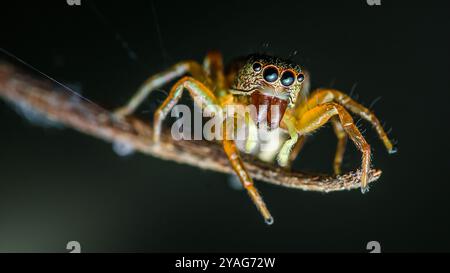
x=57, y=185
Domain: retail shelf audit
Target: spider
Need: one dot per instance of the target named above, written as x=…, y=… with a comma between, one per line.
x=271, y=81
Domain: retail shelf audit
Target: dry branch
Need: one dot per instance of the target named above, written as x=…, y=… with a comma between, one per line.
x=41, y=96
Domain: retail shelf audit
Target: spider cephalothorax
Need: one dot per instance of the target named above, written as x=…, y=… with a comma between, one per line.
x=271, y=83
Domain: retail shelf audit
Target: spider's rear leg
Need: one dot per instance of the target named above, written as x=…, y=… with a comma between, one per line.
x=319, y=115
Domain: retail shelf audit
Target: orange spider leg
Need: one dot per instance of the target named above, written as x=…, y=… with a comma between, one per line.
x=238, y=166
x=342, y=142
x=213, y=65
x=160, y=79
x=319, y=115
x=204, y=97
x=296, y=150
x=201, y=95
x=321, y=96
x=292, y=147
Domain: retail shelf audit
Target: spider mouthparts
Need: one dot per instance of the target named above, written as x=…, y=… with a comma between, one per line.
x=269, y=109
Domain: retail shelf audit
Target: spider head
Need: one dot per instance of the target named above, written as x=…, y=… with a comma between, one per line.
x=271, y=84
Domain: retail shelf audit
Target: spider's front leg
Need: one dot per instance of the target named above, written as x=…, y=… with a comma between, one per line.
x=204, y=97
x=319, y=115
x=342, y=142
x=291, y=147
x=238, y=166
x=284, y=157
x=201, y=95
x=321, y=96
x=159, y=80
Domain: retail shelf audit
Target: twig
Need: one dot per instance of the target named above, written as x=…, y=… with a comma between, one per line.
x=41, y=96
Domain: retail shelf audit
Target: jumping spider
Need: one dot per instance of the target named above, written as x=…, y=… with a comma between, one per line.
x=264, y=80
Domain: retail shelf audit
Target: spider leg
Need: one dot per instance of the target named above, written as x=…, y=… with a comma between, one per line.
x=203, y=96
x=319, y=115
x=200, y=93
x=238, y=166
x=342, y=142
x=213, y=66
x=321, y=96
x=291, y=147
x=214, y=69
x=296, y=150
x=160, y=79
x=284, y=155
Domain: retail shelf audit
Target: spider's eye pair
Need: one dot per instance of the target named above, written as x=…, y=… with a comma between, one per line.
x=270, y=74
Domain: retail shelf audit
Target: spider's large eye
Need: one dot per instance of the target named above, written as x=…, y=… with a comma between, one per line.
x=270, y=74
x=257, y=67
x=287, y=78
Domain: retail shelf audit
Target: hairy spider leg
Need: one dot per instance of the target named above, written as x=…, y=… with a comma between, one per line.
x=238, y=166
x=204, y=97
x=342, y=142
x=296, y=150
x=291, y=148
x=321, y=96
x=319, y=115
x=160, y=79
x=213, y=66
x=286, y=150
